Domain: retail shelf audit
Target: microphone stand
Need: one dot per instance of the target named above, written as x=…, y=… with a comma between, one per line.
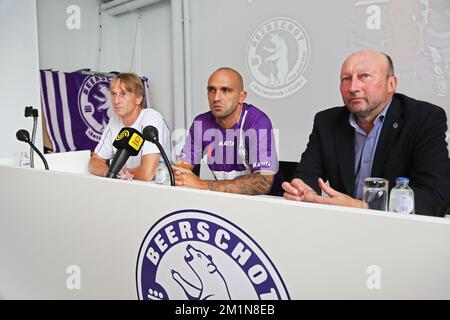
x=31, y=112
x=166, y=160
x=24, y=136
x=39, y=154
x=150, y=134
x=33, y=139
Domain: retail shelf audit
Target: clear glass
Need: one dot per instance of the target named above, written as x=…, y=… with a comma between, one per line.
x=376, y=193
x=402, y=197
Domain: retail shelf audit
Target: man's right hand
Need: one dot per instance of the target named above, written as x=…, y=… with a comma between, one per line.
x=296, y=190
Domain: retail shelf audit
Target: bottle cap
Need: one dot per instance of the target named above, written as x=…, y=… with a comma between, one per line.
x=402, y=179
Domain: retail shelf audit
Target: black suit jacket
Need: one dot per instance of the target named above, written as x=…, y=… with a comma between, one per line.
x=411, y=144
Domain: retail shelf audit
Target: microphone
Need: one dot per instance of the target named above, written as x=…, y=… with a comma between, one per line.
x=150, y=134
x=24, y=136
x=128, y=143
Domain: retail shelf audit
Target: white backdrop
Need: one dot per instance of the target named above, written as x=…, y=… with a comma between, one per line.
x=19, y=62
x=415, y=33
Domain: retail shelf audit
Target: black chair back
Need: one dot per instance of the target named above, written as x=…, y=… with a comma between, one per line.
x=445, y=209
x=287, y=168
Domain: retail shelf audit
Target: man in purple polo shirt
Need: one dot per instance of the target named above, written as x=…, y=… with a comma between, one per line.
x=236, y=139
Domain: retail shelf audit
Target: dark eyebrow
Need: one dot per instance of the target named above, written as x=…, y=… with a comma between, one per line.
x=221, y=88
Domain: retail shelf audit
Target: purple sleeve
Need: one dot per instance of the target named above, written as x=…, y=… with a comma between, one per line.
x=261, y=143
x=192, y=151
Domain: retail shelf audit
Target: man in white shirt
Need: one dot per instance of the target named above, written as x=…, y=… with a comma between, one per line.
x=127, y=96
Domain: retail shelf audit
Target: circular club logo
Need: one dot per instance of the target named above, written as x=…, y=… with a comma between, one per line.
x=277, y=56
x=196, y=255
x=94, y=102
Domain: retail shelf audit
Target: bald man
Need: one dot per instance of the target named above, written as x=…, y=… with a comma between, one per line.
x=378, y=133
x=235, y=139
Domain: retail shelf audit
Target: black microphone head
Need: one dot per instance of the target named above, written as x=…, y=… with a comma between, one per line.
x=23, y=135
x=150, y=133
x=129, y=139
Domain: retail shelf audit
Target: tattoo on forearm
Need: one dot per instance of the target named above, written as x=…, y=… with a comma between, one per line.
x=252, y=184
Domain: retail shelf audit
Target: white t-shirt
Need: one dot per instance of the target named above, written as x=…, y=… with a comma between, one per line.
x=106, y=150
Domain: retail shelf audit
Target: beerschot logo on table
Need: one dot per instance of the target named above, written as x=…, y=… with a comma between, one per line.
x=196, y=255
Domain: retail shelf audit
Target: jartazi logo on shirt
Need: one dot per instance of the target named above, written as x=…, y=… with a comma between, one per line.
x=262, y=164
x=197, y=255
x=226, y=143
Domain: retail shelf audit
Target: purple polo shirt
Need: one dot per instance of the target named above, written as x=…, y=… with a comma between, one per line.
x=247, y=147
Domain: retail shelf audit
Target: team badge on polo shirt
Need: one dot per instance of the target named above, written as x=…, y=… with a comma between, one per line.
x=197, y=255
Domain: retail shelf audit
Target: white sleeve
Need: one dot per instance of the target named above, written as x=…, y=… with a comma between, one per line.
x=104, y=148
x=157, y=122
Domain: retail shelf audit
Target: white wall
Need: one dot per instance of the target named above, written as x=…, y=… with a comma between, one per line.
x=69, y=50
x=19, y=84
x=222, y=30
x=152, y=53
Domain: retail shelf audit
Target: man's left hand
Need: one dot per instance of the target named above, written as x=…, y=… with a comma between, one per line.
x=124, y=174
x=186, y=178
x=335, y=197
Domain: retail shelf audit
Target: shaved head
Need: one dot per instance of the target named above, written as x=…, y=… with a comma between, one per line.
x=234, y=73
x=226, y=96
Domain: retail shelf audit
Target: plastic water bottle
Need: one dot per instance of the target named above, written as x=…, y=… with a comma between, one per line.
x=162, y=173
x=24, y=160
x=402, y=197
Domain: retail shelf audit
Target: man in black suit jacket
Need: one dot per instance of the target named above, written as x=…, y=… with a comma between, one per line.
x=411, y=141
